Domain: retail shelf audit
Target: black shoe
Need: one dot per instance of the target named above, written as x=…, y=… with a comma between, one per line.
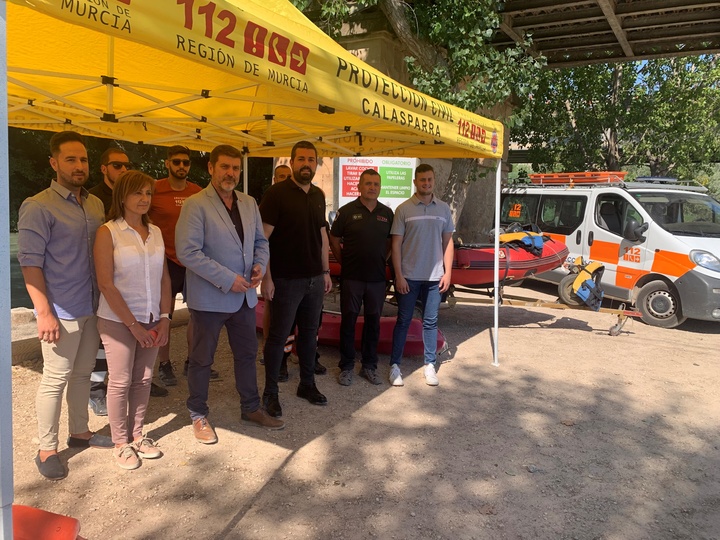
x=157, y=391
x=95, y=441
x=283, y=375
x=213, y=374
x=51, y=468
x=272, y=405
x=312, y=394
x=166, y=374
x=319, y=368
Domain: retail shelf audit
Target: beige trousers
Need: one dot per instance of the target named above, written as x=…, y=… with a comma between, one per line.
x=66, y=363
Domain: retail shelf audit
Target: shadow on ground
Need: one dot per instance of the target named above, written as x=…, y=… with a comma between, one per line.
x=575, y=435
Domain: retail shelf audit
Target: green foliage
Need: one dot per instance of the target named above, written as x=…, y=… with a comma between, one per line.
x=472, y=75
x=333, y=12
x=477, y=75
x=519, y=175
x=663, y=114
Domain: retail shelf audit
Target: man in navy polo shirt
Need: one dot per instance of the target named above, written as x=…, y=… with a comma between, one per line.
x=298, y=276
x=422, y=256
x=360, y=241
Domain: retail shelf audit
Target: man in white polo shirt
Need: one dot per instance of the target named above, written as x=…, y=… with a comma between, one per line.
x=422, y=256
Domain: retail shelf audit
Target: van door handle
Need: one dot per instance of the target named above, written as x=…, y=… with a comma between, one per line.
x=578, y=237
x=590, y=238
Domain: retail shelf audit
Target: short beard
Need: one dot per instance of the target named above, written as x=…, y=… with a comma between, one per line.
x=304, y=181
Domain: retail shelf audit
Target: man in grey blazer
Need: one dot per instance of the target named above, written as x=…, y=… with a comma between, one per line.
x=219, y=239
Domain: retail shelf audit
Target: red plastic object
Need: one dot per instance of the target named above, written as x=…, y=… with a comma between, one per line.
x=329, y=333
x=592, y=177
x=35, y=524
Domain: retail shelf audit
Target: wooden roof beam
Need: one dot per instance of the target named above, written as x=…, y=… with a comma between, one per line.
x=609, y=11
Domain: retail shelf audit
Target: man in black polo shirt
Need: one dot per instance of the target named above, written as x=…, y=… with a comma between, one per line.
x=298, y=276
x=363, y=227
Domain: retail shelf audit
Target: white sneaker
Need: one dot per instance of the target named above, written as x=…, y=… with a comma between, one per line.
x=396, y=376
x=430, y=376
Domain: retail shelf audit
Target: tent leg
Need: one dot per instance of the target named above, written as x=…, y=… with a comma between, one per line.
x=245, y=173
x=496, y=277
x=6, y=446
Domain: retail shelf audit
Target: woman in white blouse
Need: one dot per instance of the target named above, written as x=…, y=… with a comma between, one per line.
x=133, y=313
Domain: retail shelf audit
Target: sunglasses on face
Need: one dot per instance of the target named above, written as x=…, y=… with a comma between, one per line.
x=117, y=165
x=177, y=162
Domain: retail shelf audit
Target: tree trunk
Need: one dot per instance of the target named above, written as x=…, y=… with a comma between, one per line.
x=426, y=54
x=455, y=189
x=461, y=184
x=477, y=220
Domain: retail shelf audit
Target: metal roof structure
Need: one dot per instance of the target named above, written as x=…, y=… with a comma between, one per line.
x=578, y=32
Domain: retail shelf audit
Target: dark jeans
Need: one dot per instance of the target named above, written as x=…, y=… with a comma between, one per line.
x=353, y=295
x=177, y=278
x=298, y=300
x=428, y=292
x=243, y=344
x=98, y=389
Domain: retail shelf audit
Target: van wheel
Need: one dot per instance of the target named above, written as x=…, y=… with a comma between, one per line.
x=659, y=305
x=566, y=293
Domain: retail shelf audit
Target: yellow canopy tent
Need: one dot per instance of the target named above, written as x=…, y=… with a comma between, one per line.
x=255, y=74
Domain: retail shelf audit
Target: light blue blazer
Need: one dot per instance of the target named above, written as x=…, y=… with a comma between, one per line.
x=208, y=245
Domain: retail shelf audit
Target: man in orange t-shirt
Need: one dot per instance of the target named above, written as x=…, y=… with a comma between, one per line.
x=167, y=201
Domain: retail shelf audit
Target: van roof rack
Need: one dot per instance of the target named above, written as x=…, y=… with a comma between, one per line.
x=656, y=180
x=572, y=178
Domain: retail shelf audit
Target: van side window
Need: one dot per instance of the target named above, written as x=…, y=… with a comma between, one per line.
x=519, y=208
x=561, y=214
x=612, y=213
x=608, y=214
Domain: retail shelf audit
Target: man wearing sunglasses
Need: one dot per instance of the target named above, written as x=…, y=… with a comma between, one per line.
x=113, y=163
x=168, y=199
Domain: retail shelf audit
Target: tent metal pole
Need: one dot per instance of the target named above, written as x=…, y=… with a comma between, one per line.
x=496, y=277
x=110, y=73
x=245, y=174
x=6, y=438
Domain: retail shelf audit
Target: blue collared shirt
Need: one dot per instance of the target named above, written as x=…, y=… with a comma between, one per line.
x=57, y=235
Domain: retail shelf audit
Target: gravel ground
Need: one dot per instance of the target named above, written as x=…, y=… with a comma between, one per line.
x=575, y=435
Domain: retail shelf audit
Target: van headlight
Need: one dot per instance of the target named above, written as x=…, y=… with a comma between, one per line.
x=705, y=259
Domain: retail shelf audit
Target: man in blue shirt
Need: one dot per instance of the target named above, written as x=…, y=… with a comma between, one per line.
x=56, y=233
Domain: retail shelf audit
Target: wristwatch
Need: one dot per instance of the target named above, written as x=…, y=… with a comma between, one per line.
x=166, y=316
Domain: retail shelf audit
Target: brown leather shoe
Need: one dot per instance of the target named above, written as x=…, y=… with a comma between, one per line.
x=262, y=419
x=204, y=432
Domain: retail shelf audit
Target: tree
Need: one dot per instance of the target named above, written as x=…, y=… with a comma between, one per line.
x=455, y=63
x=664, y=114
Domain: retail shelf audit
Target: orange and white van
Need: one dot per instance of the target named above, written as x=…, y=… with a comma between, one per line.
x=659, y=241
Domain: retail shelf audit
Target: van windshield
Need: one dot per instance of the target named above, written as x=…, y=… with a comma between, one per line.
x=683, y=214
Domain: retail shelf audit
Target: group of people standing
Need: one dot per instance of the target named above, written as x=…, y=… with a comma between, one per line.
x=109, y=268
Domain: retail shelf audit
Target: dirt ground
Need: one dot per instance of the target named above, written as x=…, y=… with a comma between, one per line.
x=575, y=435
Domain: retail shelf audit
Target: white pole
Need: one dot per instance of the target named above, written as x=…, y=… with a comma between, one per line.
x=496, y=280
x=6, y=446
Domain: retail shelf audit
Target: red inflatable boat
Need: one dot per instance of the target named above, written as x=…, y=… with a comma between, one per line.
x=521, y=255
x=329, y=333
x=474, y=265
